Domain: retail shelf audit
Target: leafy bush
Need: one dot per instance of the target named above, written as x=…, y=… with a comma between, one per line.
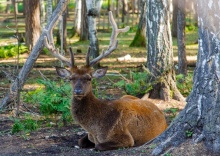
x=26, y=125
x=12, y=50
x=184, y=84
x=137, y=84
x=53, y=99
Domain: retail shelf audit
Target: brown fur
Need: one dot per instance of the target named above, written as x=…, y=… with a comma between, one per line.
x=125, y=122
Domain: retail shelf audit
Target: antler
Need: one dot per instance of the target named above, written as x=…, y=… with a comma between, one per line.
x=49, y=44
x=113, y=42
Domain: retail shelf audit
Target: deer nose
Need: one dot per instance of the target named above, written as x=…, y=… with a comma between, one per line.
x=77, y=91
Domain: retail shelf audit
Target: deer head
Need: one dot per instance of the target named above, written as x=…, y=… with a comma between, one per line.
x=81, y=77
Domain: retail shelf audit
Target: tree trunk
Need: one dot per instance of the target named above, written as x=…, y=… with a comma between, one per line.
x=7, y=10
x=24, y=6
x=181, y=23
x=32, y=23
x=92, y=14
x=62, y=33
x=15, y=6
x=84, y=32
x=28, y=65
x=160, y=53
x=140, y=36
x=42, y=13
x=65, y=30
x=77, y=23
x=174, y=19
x=49, y=9
x=124, y=10
x=202, y=112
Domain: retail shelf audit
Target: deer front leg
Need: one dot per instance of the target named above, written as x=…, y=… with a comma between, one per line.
x=84, y=142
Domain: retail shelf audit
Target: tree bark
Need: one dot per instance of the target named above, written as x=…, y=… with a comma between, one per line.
x=23, y=74
x=7, y=10
x=140, y=36
x=201, y=114
x=15, y=6
x=84, y=32
x=124, y=10
x=49, y=9
x=32, y=23
x=160, y=53
x=181, y=23
x=174, y=18
x=62, y=33
x=77, y=21
x=42, y=13
x=92, y=14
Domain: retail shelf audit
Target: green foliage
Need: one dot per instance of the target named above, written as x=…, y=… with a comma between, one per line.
x=45, y=51
x=53, y=99
x=20, y=7
x=190, y=27
x=189, y=133
x=26, y=125
x=12, y=50
x=172, y=112
x=71, y=5
x=136, y=85
x=17, y=127
x=133, y=29
x=184, y=84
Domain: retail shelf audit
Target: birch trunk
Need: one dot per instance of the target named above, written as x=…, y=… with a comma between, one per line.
x=160, y=52
x=201, y=116
x=78, y=14
x=92, y=14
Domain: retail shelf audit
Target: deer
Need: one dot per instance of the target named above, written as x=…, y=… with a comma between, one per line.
x=110, y=124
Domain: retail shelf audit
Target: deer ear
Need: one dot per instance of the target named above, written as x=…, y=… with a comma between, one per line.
x=100, y=72
x=63, y=72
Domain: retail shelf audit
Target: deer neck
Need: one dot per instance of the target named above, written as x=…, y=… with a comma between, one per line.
x=88, y=104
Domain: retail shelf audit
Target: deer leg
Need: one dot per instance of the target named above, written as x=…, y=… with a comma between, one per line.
x=120, y=141
x=84, y=142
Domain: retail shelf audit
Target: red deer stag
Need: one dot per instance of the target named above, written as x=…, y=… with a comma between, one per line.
x=125, y=122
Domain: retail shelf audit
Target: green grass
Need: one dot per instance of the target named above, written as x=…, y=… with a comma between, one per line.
x=12, y=50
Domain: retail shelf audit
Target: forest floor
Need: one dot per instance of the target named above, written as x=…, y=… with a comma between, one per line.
x=62, y=140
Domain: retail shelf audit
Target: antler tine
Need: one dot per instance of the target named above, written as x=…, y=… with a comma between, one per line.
x=55, y=52
x=113, y=41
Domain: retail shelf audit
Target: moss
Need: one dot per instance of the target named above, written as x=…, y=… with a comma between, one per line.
x=139, y=40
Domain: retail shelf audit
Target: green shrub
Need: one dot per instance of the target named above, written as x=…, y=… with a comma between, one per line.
x=12, y=50
x=27, y=125
x=184, y=84
x=53, y=98
x=137, y=84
